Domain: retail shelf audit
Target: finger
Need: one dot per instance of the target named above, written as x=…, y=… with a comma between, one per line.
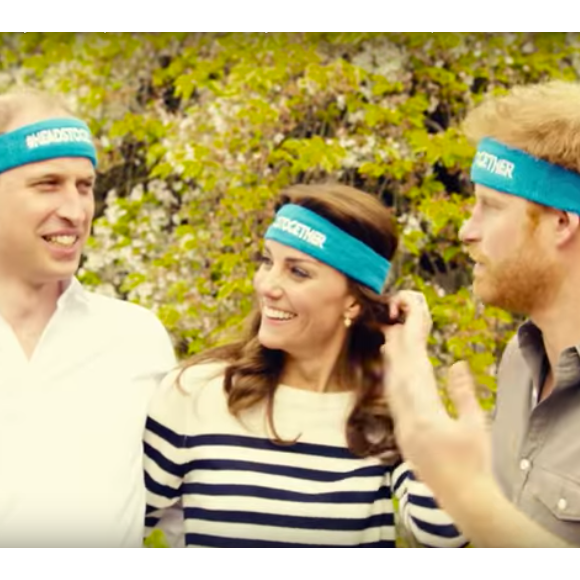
x=392, y=335
x=461, y=388
x=399, y=301
x=399, y=304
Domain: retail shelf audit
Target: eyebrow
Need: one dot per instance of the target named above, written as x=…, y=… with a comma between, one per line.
x=56, y=175
x=300, y=260
x=490, y=198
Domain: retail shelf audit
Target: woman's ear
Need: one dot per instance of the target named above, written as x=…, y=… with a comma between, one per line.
x=352, y=309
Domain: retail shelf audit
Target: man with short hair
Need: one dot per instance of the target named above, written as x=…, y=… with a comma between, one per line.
x=524, y=236
x=77, y=369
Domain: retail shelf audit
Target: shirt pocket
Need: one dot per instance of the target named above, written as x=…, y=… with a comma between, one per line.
x=559, y=494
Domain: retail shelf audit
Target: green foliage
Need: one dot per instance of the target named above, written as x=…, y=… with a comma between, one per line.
x=197, y=132
x=156, y=539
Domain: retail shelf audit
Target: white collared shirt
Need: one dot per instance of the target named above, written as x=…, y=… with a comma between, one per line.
x=72, y=419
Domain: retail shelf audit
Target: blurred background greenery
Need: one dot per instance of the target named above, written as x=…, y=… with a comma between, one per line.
x=197, y=132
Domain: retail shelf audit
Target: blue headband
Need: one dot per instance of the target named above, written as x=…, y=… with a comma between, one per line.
x=310, y=233
x=516, y=172
x=46, y=140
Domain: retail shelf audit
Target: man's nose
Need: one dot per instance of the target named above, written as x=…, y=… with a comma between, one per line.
x=73, y=205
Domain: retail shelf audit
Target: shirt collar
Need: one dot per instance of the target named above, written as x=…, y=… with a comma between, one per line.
x=73, y=292
x=531, y=344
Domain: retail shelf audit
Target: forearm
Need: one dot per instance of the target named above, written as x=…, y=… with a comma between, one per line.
x=411, y=387
x=452, y=458
x=489, y=520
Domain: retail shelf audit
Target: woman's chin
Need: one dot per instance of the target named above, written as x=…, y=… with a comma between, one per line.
x=269, y=341
x=272, y=342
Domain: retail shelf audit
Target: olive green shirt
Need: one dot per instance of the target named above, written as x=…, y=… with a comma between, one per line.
x=537, y=445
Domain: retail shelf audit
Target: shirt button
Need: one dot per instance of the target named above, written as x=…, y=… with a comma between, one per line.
x=525, y=464
x=562, y=504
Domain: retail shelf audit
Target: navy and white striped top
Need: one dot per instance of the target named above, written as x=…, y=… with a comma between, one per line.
x=237, y=489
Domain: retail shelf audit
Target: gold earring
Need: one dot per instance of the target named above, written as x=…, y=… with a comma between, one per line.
x=347, y=321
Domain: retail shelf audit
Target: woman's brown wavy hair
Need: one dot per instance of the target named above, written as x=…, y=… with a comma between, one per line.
x=253, y=371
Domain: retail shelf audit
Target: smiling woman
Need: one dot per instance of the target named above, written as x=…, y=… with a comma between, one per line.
x=333, y=318
x=284, y=438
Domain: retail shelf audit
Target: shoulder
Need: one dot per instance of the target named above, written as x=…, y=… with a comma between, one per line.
x=184, y=381
x=512, y=372
x=183, y=389
x=133, y=330
x=124, y=316
x=190, y=379
x=118, y=309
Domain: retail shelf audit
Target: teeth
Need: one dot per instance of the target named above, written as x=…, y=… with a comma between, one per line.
x=62, y=240
x=278, y=314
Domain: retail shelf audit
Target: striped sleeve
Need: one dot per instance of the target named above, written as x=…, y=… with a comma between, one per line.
x=420, y=514
x=164, y=447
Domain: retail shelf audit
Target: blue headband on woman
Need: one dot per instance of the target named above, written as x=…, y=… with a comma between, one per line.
x=306, y=231
x=66, y=137
x=513, y=171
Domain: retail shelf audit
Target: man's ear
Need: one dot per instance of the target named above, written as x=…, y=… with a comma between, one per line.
x=567, y=227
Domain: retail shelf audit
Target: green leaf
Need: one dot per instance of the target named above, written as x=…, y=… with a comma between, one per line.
x=156, y=539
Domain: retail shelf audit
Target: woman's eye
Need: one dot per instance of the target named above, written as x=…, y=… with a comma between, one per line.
x=264, y=260
x=300, y=273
